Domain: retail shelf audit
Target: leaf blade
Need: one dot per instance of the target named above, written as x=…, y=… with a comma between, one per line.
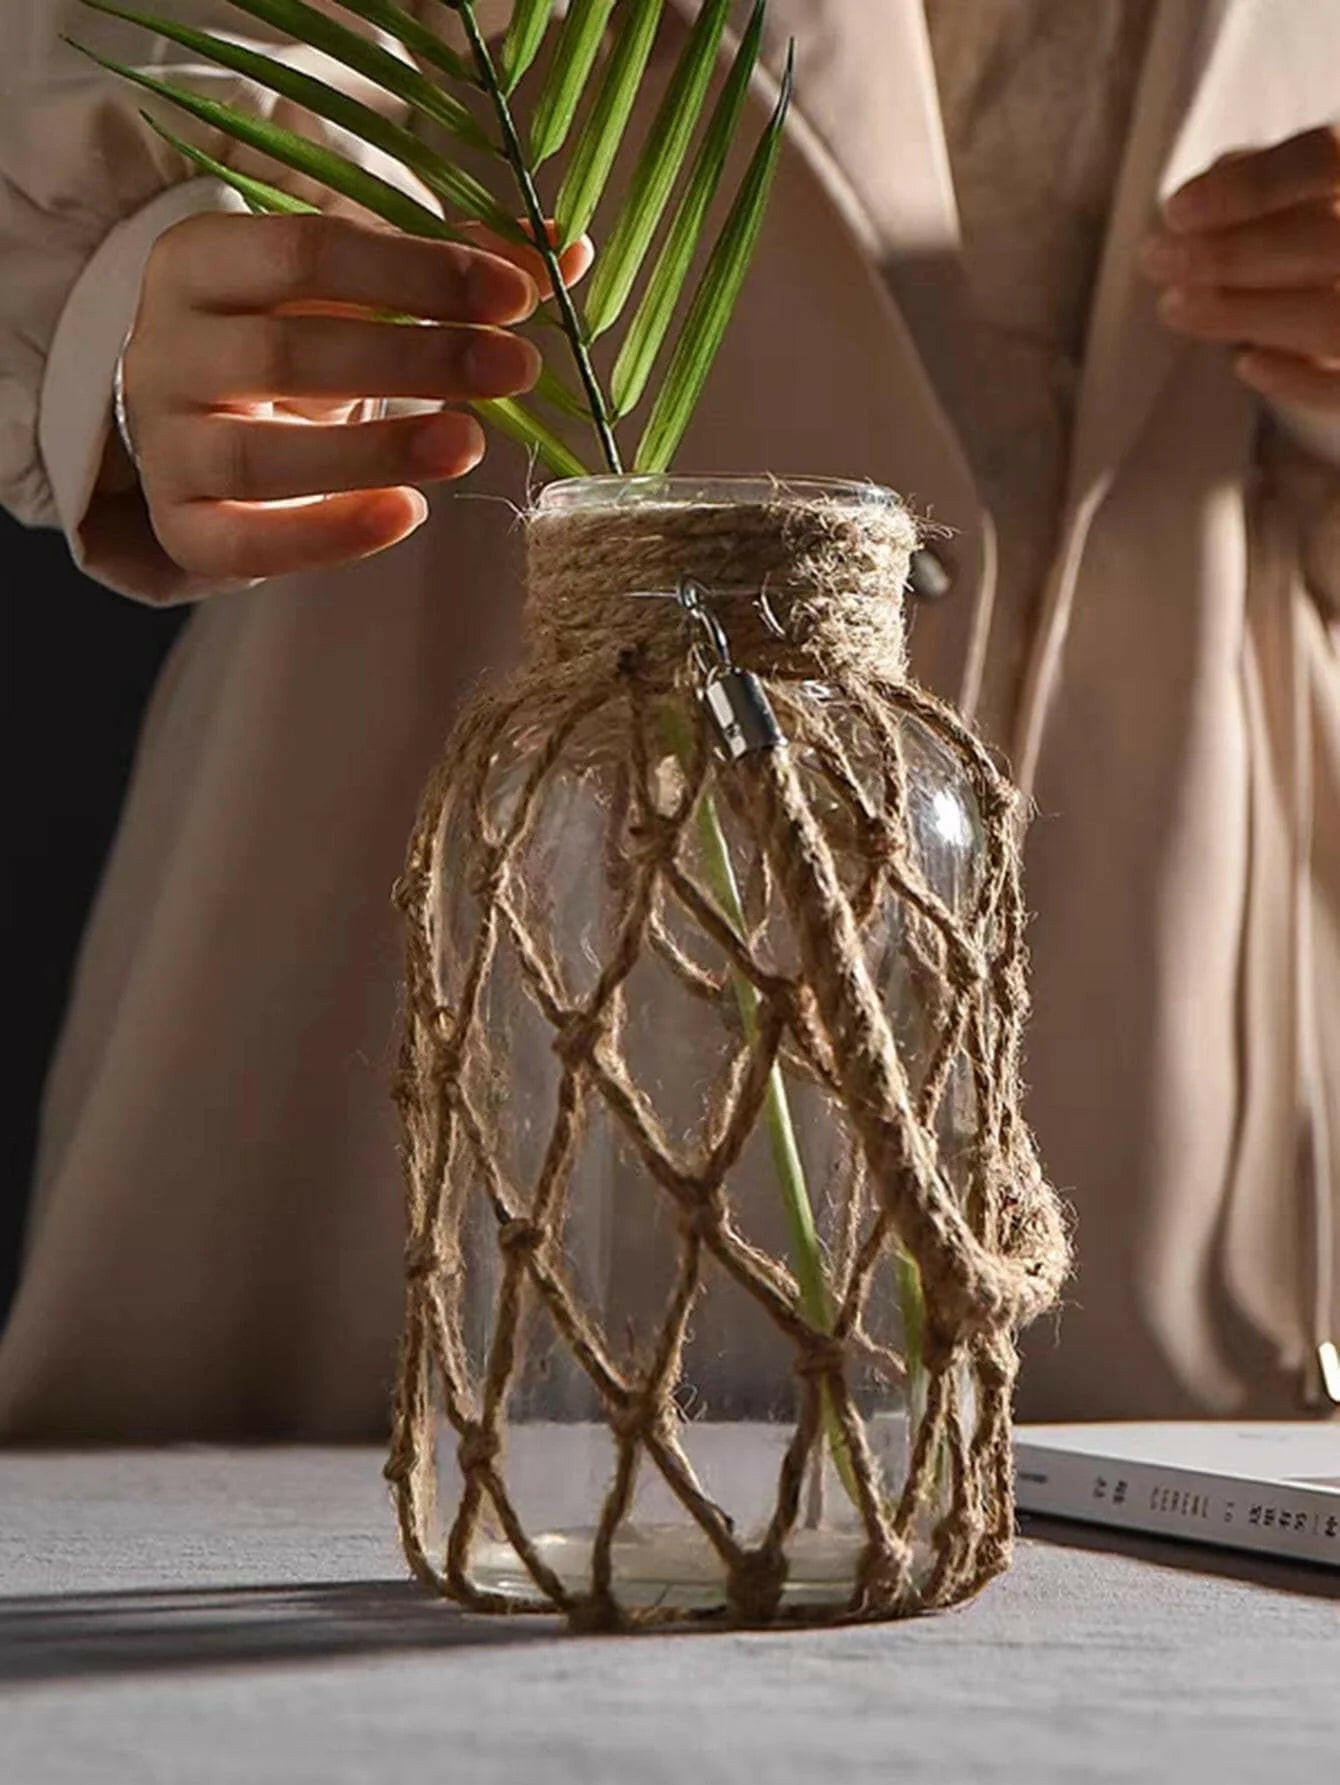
x=409, y=31
x=516, y=421
x=459, y=188
x=326, y=166
x=258, y=193
x=578, y=45
x=550, y=388
x=392, y=73
x=525, y=34
x=718, y=291
x=657, y=170
x=654, y=315
x=598, y=142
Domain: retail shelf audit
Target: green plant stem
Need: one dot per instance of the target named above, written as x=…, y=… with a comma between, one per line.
x=516, y=157
x=807, y=1260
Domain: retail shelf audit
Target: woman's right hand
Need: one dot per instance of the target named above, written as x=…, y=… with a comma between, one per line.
x=240, y=313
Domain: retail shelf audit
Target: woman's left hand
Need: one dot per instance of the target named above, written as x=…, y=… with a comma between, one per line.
x=1250, y=254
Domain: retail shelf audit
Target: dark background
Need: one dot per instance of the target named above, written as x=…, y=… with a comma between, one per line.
x=79, y=666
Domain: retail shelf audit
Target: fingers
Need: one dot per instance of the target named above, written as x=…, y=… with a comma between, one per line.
x=1298, y=247
x=231, y=263
x=284, y=314
x=232, y=541
x=255, y=358
x=1259, y=182
x=574, y=262
x=1287, y=378
x=1298, y=322
x=226, y=457
x=1250, y=255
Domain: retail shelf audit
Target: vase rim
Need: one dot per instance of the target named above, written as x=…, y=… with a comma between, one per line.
x=684, y=490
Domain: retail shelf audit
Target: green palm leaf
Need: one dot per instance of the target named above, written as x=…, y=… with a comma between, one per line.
x=598, y=143
x=327, y=166
x=654, y=315
x=513, y=419
x=260, y=196
x=304, y=24
x=457, y=187
x=574, y=58
x=716, y=296
x=657, y=170
x=551, y=388
x=393, y=74
x=407, y=30
x=525, y=34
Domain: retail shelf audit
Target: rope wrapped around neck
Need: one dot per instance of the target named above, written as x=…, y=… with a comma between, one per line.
x=832, y=573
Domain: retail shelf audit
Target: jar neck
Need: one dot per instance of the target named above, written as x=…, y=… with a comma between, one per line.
x=803, y=579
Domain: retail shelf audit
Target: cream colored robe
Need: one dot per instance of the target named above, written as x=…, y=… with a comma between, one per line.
x=215, y=1243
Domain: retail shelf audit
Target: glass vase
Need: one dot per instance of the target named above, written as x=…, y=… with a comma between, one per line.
x=665, y=1355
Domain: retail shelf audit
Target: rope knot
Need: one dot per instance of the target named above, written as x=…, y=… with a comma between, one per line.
x=520, y=1236
x=485, y=879
x=653, y=837
x=879, y=845
x=640, y=1416
x=578, y=1035
x=424, y=1258
x=754, y=1586
x=707, y=1214
x=478, y=1450
x=821, y=1356
x=883, y=1577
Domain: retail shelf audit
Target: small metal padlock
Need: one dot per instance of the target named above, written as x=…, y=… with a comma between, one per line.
x=742, y=713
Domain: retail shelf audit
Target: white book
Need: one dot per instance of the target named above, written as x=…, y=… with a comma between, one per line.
x=1273, y=1488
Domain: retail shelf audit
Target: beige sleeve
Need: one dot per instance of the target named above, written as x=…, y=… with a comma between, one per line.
x=86, y=188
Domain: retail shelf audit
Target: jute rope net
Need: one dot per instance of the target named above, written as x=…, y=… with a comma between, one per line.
x=602, y=672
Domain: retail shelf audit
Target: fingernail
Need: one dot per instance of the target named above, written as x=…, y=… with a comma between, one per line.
x=421, y=503
x=1162, y=258
x=499, y=365
x=500, y=292
x=440, y=444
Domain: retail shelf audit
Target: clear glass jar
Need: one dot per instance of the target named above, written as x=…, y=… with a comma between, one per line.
x=797, y=1192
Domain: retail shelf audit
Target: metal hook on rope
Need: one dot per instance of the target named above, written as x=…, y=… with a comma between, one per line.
x=735, y=698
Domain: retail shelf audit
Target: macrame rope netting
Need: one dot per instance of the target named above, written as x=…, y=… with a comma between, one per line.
x=603, y=671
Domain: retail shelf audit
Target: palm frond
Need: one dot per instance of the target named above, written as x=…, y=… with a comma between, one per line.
x=456, y=187
x=291, y=149
x=714, y=301
x=551, y=389
x=393, y=74
x=574, y=58
x=598, y=142
x=516, y=421
x=525, y=34
x=303, y=23
x=655, y=314
x=656, y=171
x=410, y=32
x=445, y=87
x=259, y=194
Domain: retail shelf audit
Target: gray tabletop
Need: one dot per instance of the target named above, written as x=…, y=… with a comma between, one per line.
x=195, y=1616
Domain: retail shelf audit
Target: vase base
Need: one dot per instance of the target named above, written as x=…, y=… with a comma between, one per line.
x=672, y=1567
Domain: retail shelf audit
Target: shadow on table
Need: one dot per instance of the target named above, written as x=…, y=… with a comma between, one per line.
x=1279, y=1575
x=58, y=1636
